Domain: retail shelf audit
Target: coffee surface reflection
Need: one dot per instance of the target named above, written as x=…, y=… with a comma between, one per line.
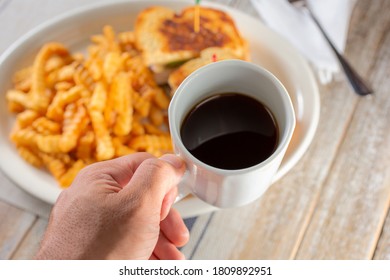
x=230, y=131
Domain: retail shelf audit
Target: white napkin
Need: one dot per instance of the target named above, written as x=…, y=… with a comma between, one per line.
x=298, y=27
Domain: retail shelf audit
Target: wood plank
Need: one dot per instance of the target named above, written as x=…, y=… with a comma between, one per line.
x=355, y=198
x=14, y=224
x=13, y=195
x=273, y=227
x=382, y=251
x=226, y=233
x=30, y=244
x=196, y=234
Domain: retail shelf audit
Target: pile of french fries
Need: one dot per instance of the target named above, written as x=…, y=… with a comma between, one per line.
x=73, y=110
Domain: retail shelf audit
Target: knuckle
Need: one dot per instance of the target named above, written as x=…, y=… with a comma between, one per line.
x=92, y=172
x=157, y=172
x=157, y=167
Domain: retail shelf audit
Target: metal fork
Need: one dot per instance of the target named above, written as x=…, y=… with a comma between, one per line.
x=360, y=86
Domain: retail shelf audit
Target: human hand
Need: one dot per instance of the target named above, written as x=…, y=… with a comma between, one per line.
x=119, y=209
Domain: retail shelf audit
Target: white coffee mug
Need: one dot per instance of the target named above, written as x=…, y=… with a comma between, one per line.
x=230, y=188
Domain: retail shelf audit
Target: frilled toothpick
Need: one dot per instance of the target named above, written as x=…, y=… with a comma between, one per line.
x=197, y=16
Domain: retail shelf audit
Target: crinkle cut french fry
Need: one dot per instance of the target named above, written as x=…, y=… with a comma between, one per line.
x=78, y=57
x=66, y=179
x=99, y=98
x=26, y=118
x=14, y=107
x=63, y=86
x=24, y=85
x=28, y=155
x=151, y=129
x=141, y=105
x=86, y=147
x=64, y=157
x=51, y=79
x=104, y=147
x=121, y=149
x=112, y=65
x=83, y=78
x=20, y=98
x=123, y=139
x=45, y=126
x=49, y=143
x=133, y=64
x=55, y=166
x=38, y=84
x=153, y=142
x=22, y=79
x=109, y=33
x=66, y=73
x=22, y=75
x=109, y=112
x=68, y=114
x=156, y=116
x=73, y=129
x=55, y=62
x=95, y=68
x=161, y=99
x=56, y=108
x=127, y=37
x=127, y=43
x=137, y=128
x=24, y=137
x=123, y=104
x=99, y=40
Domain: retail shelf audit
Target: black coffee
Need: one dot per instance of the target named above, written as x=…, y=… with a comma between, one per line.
x=230, y=131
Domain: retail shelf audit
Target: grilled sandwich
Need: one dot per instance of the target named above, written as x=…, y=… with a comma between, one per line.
x=207, y=56
x=167, y=39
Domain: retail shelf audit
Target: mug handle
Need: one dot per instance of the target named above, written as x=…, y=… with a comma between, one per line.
x=183, y=188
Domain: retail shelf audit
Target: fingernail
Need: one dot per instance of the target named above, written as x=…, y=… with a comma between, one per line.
x=175, y=161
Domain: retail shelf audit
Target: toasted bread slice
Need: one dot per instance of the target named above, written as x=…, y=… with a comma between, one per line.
x=167, y=39
x=207, y=56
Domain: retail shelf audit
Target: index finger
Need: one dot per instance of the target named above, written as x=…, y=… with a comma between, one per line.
x=154, y=179
x=120, y=169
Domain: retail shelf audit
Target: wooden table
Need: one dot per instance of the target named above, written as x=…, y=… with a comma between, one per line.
x=334, y=204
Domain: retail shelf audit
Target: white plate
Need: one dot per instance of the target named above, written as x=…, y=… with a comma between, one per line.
x=74, y=30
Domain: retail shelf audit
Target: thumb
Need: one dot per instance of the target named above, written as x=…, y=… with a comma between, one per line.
x=153, y=180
